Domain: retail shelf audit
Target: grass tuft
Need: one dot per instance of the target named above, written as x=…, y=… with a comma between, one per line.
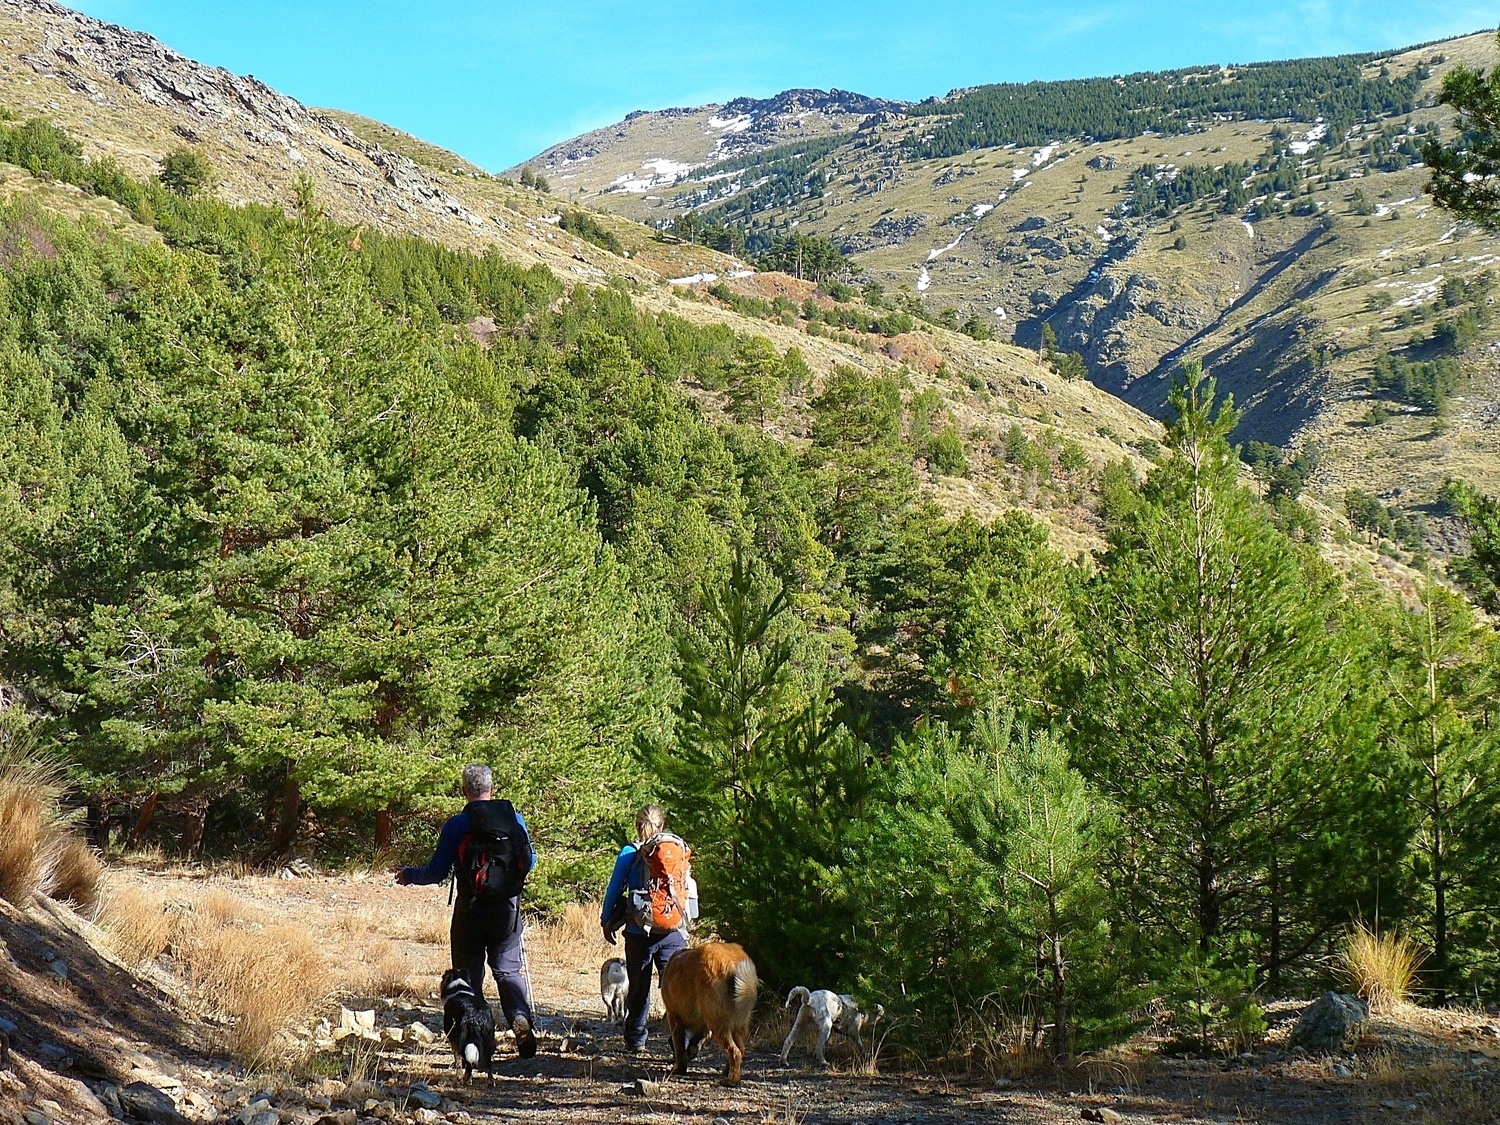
x=20, y=839
x=76, y=874
x=1382, y=968
x=39, y=851
x=260, y=977
x=387, y=967
x=431, y=929
x=570, y=938
x=139, y=925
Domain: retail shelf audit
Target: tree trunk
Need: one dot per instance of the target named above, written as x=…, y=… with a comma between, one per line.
x=384, y=829
x=1061, y=1048
x=1275, y=967
x=1208, y=900
x=1038, y=1020
x=196, y=812
x=143, y=822
x=98, y=820
x=290, y=815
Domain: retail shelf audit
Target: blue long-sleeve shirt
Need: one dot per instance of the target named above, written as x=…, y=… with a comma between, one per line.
x=455, y=828
x=618, y=878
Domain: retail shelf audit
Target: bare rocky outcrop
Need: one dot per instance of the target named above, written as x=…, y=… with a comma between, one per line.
x=112, y=66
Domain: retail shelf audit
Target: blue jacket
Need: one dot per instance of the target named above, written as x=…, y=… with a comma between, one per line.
x=455, y=828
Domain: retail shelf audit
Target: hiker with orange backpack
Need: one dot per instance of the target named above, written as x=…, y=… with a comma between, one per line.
x=652, y=895
x=489, y=851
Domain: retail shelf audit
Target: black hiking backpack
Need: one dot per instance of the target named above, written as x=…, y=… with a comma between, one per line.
x=495, y=856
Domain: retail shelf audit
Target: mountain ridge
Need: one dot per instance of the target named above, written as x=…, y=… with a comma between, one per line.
x=1291, y=253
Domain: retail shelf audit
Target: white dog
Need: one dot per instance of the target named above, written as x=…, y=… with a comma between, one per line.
x=613, y=988
x=829, y=1012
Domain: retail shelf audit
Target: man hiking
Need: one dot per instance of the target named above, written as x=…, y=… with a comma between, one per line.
x=489, y=851
x=652, y=894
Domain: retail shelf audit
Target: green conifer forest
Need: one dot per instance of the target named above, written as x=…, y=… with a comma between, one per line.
x=282, y=548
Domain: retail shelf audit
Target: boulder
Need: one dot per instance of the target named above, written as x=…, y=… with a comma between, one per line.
x=144, y=1101
x=424, y=1096
x=1331, y=1024
x=420, y=1033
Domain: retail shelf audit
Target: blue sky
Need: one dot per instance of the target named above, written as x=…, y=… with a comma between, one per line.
x=499, y=81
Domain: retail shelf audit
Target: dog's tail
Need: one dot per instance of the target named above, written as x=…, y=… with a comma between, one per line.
x=800, y=994
x=471, y=1054
x=741, y=988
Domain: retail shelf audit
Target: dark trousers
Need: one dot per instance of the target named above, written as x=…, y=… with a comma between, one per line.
x=641, y=953
x=493, y=935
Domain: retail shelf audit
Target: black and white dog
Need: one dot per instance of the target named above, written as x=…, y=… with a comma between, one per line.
x=469, y=1026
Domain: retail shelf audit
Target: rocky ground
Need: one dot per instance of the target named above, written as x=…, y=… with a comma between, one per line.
x=92, y=1038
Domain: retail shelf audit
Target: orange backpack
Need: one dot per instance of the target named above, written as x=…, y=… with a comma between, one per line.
x=658, y=898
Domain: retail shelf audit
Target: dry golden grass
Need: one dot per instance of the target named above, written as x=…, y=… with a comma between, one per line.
x=388, y=970
x=141, y=924
x=225, y=908
x=1382, y=968
x=572, y=938
x=368, y=920
x=39, y=851
x=994, y=1041
x=1442, y=1092
x=431, y=929
x=260, y=977
x=20, y=840
x=76, y=873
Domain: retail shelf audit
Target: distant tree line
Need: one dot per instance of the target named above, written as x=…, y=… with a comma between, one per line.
x=1333, y=89
x=769, y=179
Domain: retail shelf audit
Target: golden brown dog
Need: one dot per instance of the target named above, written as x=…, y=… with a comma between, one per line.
x=710, y=990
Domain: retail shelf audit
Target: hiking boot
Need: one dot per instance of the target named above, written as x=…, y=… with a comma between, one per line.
x=525, y=1038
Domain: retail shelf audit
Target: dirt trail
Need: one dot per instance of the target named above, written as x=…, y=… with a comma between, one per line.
x=79, y=1040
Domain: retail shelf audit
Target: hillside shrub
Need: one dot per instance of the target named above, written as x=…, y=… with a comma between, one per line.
x=1213, y=1006
x=945, y=452
x=588, y=228
x=186, y=172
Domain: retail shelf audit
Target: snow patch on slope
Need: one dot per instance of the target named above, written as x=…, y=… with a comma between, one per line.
x=730, y=124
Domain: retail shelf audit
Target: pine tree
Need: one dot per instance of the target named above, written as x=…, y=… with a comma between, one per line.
x=762, y=777
x=1479, y=571
x=1217, y=660
x=1442, y=672
x=1463, y=170
x=974, y=885
x=1054, y=825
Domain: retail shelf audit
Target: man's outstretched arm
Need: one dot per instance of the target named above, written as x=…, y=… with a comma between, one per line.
x=443, y=858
